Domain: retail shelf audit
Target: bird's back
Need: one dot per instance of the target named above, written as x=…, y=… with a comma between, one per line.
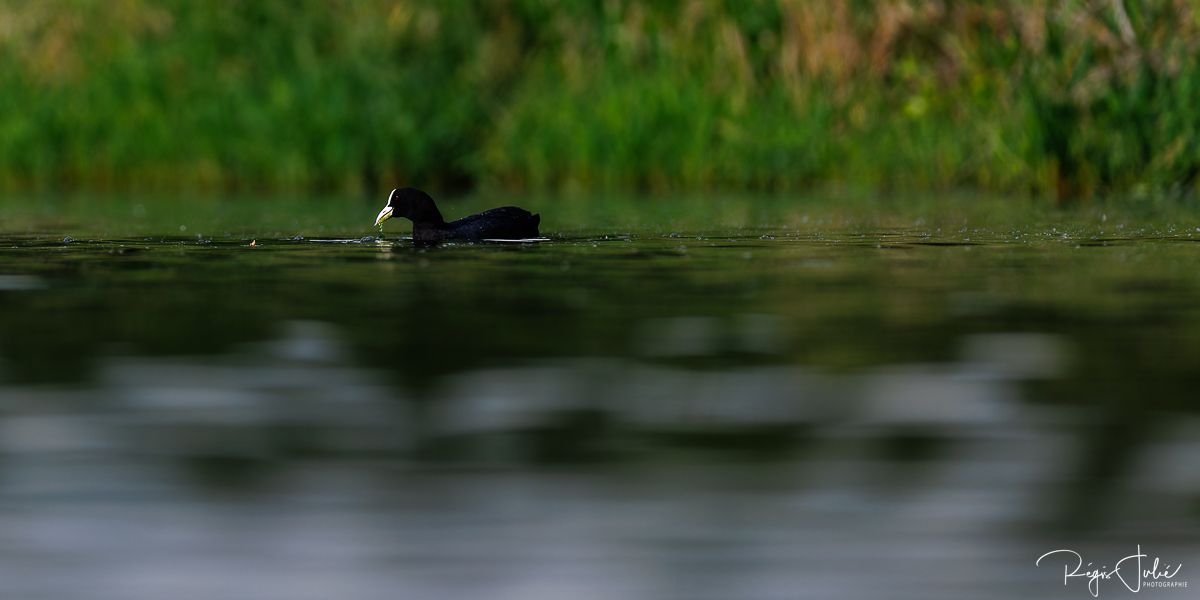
x=505, y=223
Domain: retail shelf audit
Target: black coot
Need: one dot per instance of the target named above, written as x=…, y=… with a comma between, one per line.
x=505, y=223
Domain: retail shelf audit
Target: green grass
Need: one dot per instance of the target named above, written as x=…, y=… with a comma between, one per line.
x=1036, y=98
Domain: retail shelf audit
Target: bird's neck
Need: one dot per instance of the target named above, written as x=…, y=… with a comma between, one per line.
x=428, y=215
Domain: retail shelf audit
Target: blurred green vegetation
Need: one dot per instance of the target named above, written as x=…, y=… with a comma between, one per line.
x=1054, y=98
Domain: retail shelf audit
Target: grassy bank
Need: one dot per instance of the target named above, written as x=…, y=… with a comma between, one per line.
x=1061, y=99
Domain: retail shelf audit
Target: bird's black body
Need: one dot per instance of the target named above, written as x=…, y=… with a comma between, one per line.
x=505, y=223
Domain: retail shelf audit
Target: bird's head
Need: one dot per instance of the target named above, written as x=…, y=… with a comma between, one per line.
x=412, y=204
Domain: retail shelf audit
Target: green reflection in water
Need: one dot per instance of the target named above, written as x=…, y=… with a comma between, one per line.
x=844, y=284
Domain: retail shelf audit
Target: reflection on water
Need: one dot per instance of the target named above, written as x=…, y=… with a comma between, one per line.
x=756, y=415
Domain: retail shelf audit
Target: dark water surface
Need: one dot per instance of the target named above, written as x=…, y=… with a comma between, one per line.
x=749, y=399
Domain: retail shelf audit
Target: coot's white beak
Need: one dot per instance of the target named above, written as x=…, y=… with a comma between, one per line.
x=384, y=215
